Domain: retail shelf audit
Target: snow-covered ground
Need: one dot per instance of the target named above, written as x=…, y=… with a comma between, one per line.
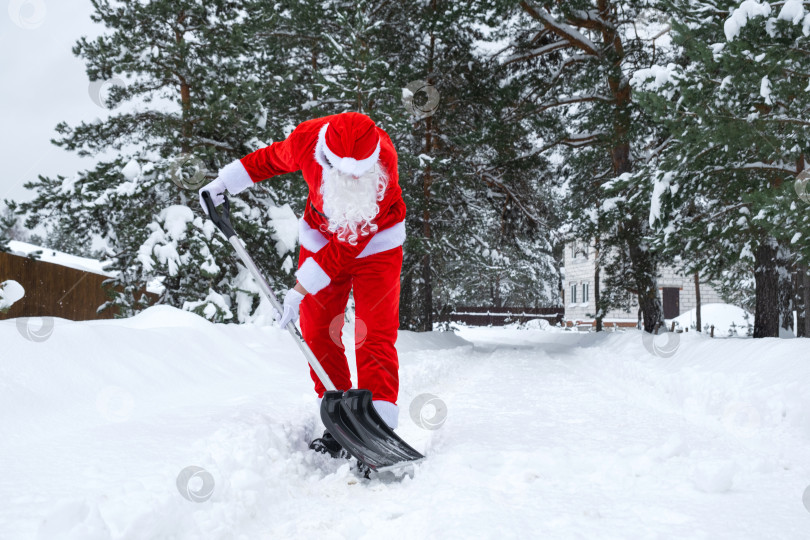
x=547, y=434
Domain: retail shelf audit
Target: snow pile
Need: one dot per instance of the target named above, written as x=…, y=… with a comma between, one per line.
x=165, y=425
x=10, y=292
x=722, y=316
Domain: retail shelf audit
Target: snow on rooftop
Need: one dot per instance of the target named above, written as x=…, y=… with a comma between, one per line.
x=61, y=258
x=58, y=257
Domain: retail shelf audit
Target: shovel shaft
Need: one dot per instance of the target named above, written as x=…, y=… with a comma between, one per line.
x=268, y=292
x=223, y=224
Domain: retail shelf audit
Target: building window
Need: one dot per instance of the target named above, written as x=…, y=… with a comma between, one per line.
x=585, y=293
x=574, y=249
x=573, y=294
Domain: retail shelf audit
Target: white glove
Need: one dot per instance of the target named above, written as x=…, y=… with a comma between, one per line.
x=292, y=303
x=216, y=189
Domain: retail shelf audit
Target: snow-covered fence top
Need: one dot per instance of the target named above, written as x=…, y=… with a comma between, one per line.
x=499, y=316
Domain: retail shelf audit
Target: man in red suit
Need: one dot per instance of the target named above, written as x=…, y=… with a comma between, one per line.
x=351, y=237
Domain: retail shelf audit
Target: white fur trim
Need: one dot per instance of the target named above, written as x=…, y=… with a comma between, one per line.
x=310, y=238
x=320, y=156
x=388, y=412
x=312, y=277
x=235, y=177
x=348, y=165
x=384, y=240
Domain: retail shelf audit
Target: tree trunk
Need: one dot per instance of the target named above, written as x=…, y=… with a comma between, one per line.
x=427, y=181
x=802, y=300
x=697, y=301
x=644, y=274
x=784, y=273
x=406, y=302
x=766, y=314
x=596, y=276
x=427, y=289
x=642, y=260
x=186, y=129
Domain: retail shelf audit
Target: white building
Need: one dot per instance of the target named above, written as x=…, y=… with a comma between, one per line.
x=677, y=291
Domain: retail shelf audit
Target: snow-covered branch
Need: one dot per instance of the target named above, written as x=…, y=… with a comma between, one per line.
x=563, y=30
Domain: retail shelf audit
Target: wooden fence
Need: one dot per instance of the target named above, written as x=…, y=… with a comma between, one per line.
x=53, y=290
x=486, y=316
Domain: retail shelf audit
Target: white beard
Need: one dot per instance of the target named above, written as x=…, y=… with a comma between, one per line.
x=351, y=203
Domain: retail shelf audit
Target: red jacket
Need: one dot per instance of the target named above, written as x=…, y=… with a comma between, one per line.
x=296, y=153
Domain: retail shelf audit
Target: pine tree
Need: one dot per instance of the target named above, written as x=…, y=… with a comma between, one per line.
x=199, y=57
x=575, y=58
x=476, y=204
x=479, y=203
x=8, y=227
x=733, y=104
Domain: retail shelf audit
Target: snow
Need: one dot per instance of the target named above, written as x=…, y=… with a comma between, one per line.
x=655, y=78
x=765, y=89
x=212, y=303
x=741, y=15
x=73, y=261
x=57, y=257
x=548, y=434
x=660, y=186
x=131, y=170
x=169, y=228
x=10, y=291
x=793, y=11
x=720, y=315
x=285, y=228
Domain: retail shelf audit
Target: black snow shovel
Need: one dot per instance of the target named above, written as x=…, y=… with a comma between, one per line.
x=349, y=416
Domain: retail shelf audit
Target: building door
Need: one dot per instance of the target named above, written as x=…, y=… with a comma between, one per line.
x=672, y=302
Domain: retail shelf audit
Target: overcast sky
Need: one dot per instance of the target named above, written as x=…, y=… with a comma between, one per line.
x=42, y=84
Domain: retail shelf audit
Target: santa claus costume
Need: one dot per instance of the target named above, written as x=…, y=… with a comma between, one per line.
x=351, y=237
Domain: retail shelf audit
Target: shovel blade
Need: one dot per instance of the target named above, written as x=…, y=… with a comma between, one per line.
x=353, y=421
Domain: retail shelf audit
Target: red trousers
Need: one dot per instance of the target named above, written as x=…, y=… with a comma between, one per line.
x=375, y=280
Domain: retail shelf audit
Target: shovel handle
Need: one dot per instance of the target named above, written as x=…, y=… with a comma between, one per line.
x=222, y=221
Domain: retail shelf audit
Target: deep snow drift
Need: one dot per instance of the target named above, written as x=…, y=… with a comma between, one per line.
x=547, y=434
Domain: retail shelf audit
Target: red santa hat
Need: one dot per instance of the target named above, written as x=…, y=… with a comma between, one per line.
x=350, y=143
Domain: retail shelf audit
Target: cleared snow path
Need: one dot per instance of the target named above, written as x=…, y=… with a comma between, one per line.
x=547, y=434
